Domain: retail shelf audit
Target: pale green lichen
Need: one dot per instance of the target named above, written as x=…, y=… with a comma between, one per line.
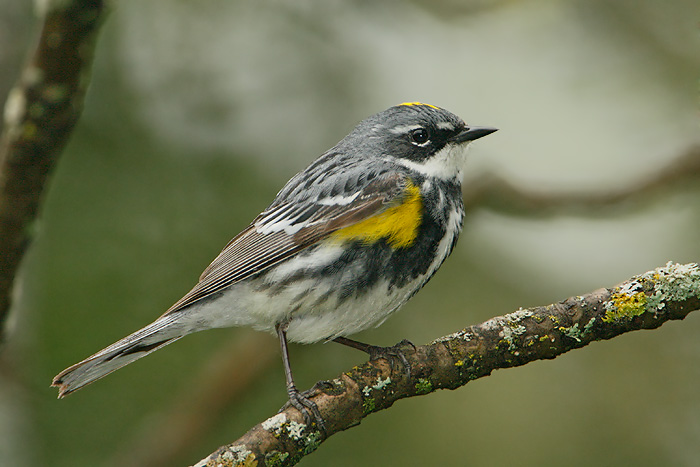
x=650, y=291
x=313, y=441
x=673, y=282
x=519, y=315
x=276, y=458
x=275, y=423
x=508, y=327
x=381, y=384
x=234, y=456
x=295, y=430
x=424, y=386
x=572, y=332
x=509, y=333
x=368, y=406
x=463, y=335
x=589, y=325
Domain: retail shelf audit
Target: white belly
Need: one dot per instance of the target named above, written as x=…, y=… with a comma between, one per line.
x=311, y=305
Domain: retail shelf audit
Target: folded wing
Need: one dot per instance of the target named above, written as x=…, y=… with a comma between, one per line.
x=287, y=228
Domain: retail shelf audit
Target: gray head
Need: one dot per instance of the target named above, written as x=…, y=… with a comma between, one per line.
x=420, y=136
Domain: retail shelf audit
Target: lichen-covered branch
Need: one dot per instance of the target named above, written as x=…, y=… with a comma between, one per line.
x=526, y=335
x=40, y=114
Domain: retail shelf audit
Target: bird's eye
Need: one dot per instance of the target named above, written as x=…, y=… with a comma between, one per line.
x=419, y=136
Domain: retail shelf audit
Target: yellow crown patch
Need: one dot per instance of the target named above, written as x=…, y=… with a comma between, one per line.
x=419, y=103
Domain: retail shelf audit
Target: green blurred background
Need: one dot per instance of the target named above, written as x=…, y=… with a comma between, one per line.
x=197, y=114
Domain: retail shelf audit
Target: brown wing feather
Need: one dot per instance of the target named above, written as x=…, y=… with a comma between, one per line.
x=250, y=251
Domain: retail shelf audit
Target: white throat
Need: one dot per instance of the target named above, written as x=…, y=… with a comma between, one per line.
x=447, y=164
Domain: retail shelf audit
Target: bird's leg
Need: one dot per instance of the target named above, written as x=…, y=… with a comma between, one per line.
x=376, y=352
x=299, y=401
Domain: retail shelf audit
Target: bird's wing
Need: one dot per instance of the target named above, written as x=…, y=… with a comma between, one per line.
x=287, y=228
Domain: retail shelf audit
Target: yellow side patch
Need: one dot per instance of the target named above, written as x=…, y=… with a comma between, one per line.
x=398, y=224
x=420, y=103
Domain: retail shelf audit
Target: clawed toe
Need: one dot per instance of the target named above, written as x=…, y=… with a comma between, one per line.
x=376, y=352
x=308, y=408
x=392, y=353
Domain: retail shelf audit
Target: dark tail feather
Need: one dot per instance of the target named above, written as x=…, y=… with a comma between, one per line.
x=139, y=344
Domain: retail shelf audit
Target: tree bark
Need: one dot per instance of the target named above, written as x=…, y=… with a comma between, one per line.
x=40, y=114
x=645, y=301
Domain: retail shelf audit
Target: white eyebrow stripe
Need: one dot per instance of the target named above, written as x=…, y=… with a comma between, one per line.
x=397, y=130
x=446, y=126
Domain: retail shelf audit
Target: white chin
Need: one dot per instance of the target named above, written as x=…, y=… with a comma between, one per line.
x=447, y=164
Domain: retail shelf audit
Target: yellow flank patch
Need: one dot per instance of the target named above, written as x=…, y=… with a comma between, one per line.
x=420, y=103
x=398, y=224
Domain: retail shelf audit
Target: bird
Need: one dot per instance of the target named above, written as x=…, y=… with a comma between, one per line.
x=345, y=243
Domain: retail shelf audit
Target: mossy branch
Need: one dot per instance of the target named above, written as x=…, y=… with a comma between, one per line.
x=40, y=114
x=645, y=301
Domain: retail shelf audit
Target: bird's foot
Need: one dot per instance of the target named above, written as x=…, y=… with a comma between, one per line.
x=308, y=408
x=393, y=353
x=375, y=352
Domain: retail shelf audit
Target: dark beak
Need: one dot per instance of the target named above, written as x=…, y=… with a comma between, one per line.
x=472, y=133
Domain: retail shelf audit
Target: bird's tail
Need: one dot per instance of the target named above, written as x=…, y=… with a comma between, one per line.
x=160, y=333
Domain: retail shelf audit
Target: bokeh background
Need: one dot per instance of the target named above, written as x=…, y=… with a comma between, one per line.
x=198, y=112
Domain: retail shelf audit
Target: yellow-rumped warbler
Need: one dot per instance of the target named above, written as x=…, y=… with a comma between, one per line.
x=344, y=244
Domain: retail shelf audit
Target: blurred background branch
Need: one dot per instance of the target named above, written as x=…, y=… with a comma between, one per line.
x=227, y=375
x=494, y=193
x=41, y=111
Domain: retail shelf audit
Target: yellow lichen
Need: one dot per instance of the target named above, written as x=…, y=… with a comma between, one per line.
x=625, y=306
x=250, y=461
